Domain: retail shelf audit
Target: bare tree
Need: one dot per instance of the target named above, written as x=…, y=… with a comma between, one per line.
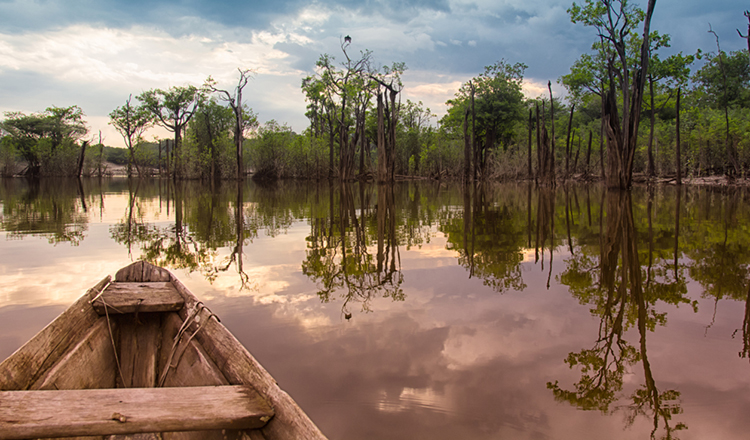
x=241, y=122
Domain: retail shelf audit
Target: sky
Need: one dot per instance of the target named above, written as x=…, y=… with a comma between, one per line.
x=95, y=53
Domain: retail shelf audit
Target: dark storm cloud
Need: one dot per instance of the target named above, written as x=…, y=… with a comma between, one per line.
x=19, y=16
x=24, y=15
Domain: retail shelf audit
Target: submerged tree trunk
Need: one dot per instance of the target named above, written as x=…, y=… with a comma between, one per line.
x=567, y=142
x=531, y=122
x=677, y=147
x=467, y=147
x=539, y=163
x=546, y=163
x=651, y=171
x=474, y=144
x=622, y=134
x=588, y=153
x=382, y=161
x=330, y=144
x=84, y=144
x=552, y=140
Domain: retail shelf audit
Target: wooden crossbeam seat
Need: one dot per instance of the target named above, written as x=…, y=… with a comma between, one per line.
x=129, y=297
x=67, y=413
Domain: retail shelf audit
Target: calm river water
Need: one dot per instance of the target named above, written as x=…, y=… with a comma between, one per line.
x=429, y=311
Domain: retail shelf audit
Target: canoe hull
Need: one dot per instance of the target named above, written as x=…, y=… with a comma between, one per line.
x=188, y=347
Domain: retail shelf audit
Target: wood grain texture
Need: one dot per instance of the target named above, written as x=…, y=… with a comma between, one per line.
x=191, y=367
x=88, y=364
x=31, y=414
x=140, y=272
x=142, y=297
x=240, y=367
x=24, y=367
x=139, y=343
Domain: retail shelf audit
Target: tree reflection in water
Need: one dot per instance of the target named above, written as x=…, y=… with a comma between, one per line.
x=489, y=238
x=625, y=260
x=340, y=244
x=621, y=300
x=52, y=208
x=205, y=221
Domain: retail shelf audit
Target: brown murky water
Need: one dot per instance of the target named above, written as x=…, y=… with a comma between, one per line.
x=426, y=311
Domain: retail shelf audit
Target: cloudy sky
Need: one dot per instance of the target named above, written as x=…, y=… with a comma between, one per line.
x=94, y=53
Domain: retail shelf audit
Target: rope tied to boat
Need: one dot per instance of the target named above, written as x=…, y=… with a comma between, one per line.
x=193, y=317
x=111, y=336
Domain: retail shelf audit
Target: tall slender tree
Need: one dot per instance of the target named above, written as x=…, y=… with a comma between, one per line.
x=173, y=109
x=131, y=122
x=614, y=21
x=240, y=121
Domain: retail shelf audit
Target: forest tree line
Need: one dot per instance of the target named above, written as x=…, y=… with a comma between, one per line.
x=627, y=109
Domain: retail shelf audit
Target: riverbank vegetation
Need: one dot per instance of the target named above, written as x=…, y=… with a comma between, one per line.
x=695, y=110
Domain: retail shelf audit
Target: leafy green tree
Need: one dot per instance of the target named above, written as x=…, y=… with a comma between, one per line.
x=209, y=132
x=349, y=88
x=47, y=141
x=671, y=73
x=8, y=157
x=726, y=83
x=269, y=149
x=173, y=108
x=131, y=122
x=321, y=111
x=614, y=21
x=413, y=135
x=709, y=80
x=498, y=106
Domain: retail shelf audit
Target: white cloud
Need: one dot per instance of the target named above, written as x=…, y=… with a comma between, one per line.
x=120, y=62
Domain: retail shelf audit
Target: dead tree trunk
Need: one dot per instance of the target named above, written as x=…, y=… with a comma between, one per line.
x=578, y=151
x=677, y=148
x=622, y=134
x=552, y=140
x=531, y=122
x=474, y=145
x=651, y=169
x=84, y=144
x=729, y=146
x=567, y=142
x=546, y=164
x=588, y=153
x=746, y=37
x=467, y=147
x=382, y=160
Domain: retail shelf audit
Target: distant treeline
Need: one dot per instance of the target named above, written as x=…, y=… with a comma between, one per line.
x=695, y=121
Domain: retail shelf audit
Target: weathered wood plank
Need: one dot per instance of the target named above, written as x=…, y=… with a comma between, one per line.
x=147, y=436
x=191, y=366
x=139, y=342
x=140, y=272
x=88, y=364
x=240, y=367
x=127, y=297
x=31, y=361
x=31, y=414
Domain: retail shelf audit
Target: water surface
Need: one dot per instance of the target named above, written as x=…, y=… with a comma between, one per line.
x=426, y=310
